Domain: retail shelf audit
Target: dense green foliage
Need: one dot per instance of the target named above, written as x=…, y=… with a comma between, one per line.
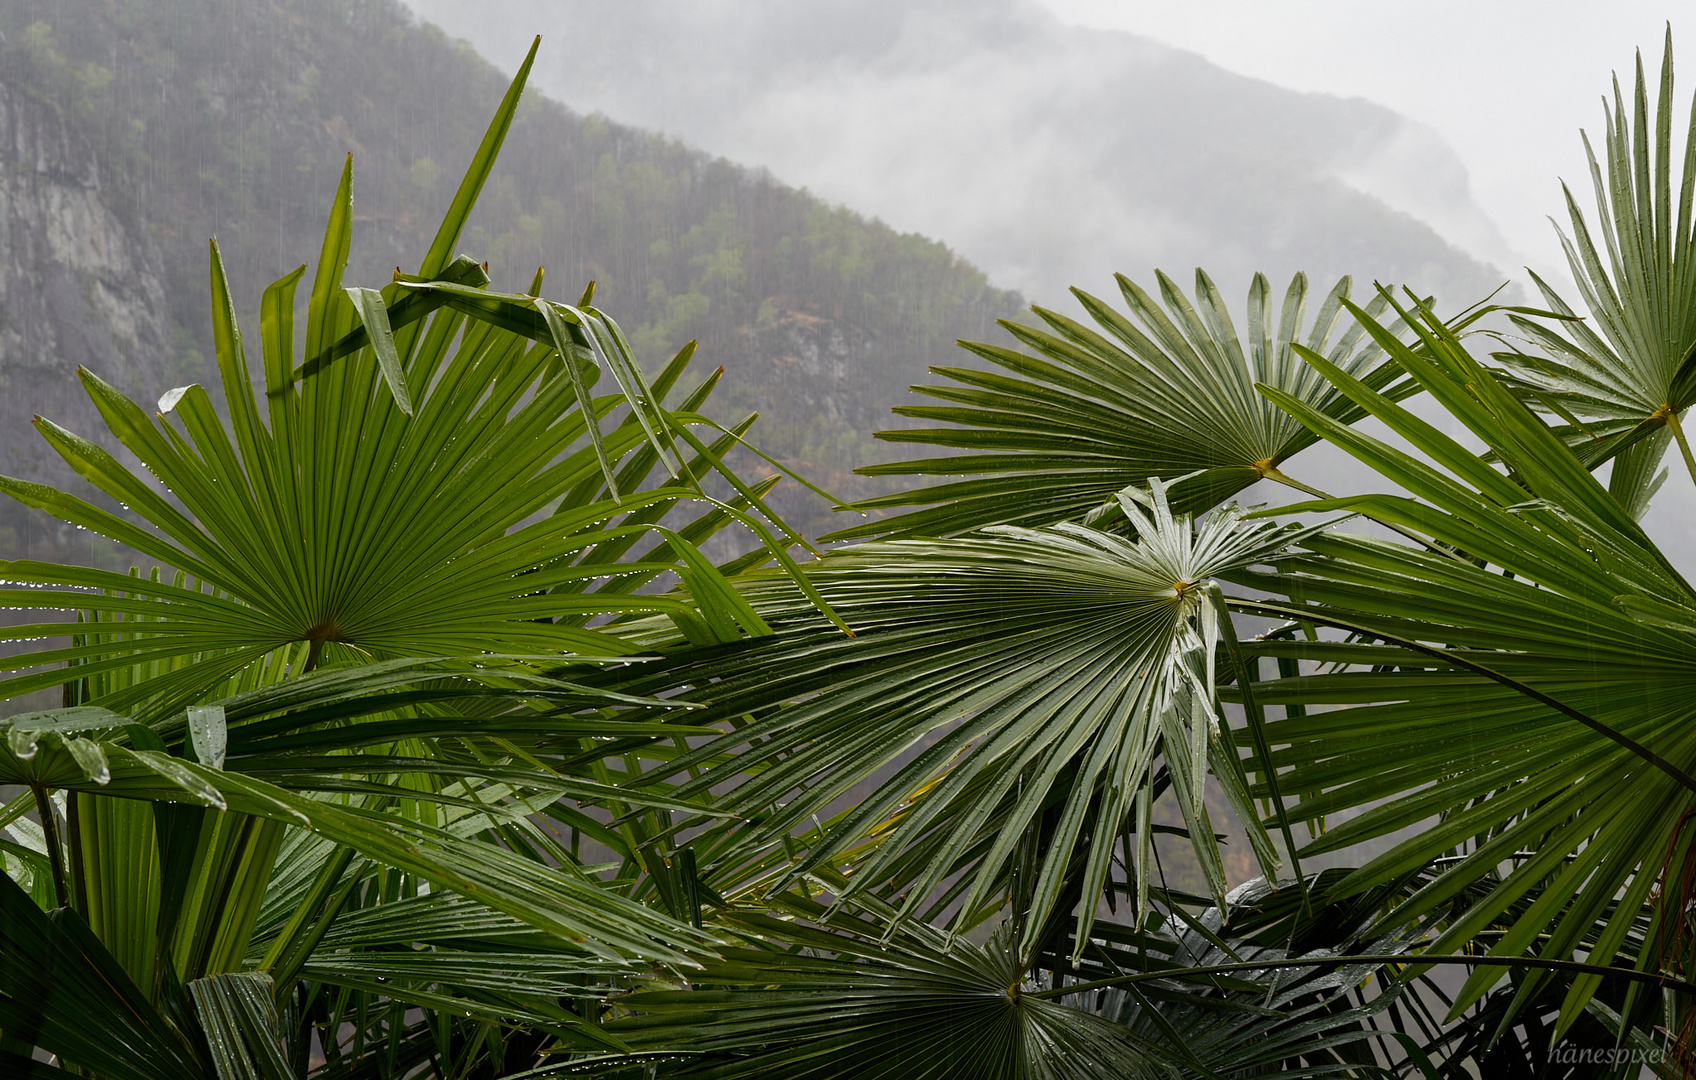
x=422, y=472
x=436, y=746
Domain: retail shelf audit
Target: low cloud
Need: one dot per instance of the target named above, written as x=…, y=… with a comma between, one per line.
x=1049, y=155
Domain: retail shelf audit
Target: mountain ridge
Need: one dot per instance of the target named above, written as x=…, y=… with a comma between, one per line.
x=231, y=119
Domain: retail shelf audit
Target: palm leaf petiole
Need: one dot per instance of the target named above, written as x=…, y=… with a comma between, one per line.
x=1670, y=416
x=55, y=851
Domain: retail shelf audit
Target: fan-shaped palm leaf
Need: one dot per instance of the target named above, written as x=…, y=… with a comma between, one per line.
x=1100, y=408
x=1630, y=371
x=388, y=506
x=1536, y=696
x=89, y=749
x=1043, y=672
x=821, y=995
x=823, y=1004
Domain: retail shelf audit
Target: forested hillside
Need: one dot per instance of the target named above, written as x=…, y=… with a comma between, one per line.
x=230, y=118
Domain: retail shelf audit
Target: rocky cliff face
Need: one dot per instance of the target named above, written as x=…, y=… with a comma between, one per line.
x=79, y=287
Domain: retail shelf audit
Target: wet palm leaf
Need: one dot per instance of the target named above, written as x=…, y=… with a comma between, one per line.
x=1167, y=393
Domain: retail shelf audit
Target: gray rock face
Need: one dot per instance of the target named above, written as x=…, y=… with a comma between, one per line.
x=79, y=287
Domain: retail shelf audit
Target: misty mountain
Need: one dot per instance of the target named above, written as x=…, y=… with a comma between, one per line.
x=134, y=132
x=1049, y=155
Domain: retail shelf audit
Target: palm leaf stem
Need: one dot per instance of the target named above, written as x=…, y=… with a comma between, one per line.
x=1257, y=731
x=1255, y=607
x=1676, y=425
x=50, y=832
x=1273, y=473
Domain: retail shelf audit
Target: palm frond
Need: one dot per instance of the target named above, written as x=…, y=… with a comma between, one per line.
x=1532, y=698
x=1167, y=393
x=824, y=994
x=1038, y=674
x=1629, y=370
x=431, y=481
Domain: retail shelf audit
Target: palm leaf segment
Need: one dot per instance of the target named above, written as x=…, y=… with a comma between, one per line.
x=1167, y=393
x=1536, y=695
x=1043, y=671
x=851, y=1007
x=821, y=995
x=277, y=751
x=173, y=908
x=387, y=508
x=1625, y=377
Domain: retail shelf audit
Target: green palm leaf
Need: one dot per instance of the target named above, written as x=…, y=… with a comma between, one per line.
x=1043, y=672
x=565, y=901
x=848, y=1006
x=239, y=1016
x=94, y=751
x=811, y=993
x=427, y=485
x=440, y=951
x=1535, y=697
x=1097, y=409
x=1629, y=371
x=1287, y=1018
x=62, y=991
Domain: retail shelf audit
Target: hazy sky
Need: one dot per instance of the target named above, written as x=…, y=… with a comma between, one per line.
x=1507, y=83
